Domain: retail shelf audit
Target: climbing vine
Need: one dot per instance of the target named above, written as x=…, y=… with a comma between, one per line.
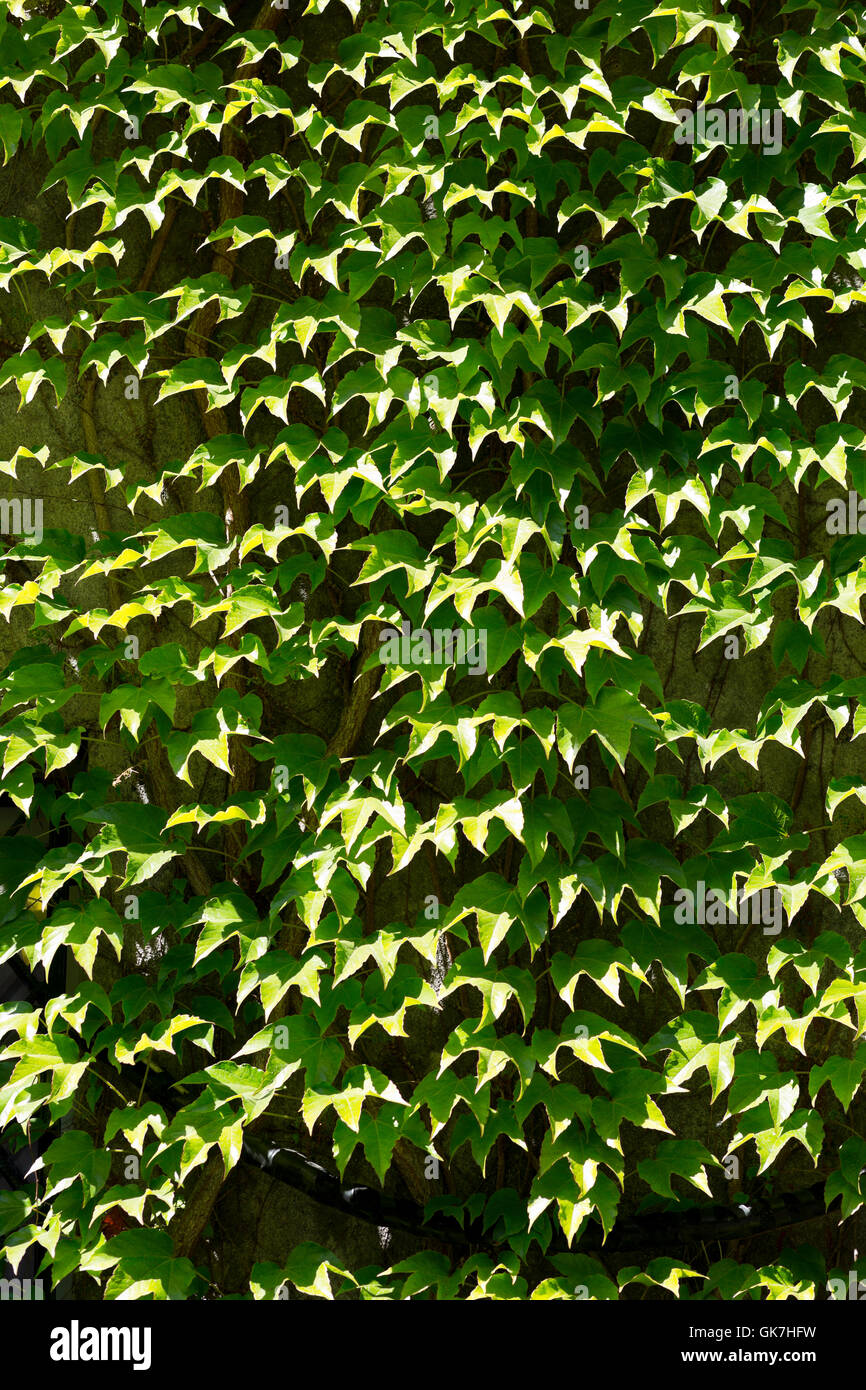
x=430, y=699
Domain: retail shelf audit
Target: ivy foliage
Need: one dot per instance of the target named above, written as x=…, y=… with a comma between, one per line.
x=466, y=339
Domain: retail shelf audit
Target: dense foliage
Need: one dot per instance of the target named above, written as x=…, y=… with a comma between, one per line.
x=436, y=612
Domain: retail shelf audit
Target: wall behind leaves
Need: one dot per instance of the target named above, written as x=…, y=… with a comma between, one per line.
x=432, y=447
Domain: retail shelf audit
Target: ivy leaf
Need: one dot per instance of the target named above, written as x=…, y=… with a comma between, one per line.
x=693, y=1044
x=681, y=1157
x=844, y=1076
x=145, y=1266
